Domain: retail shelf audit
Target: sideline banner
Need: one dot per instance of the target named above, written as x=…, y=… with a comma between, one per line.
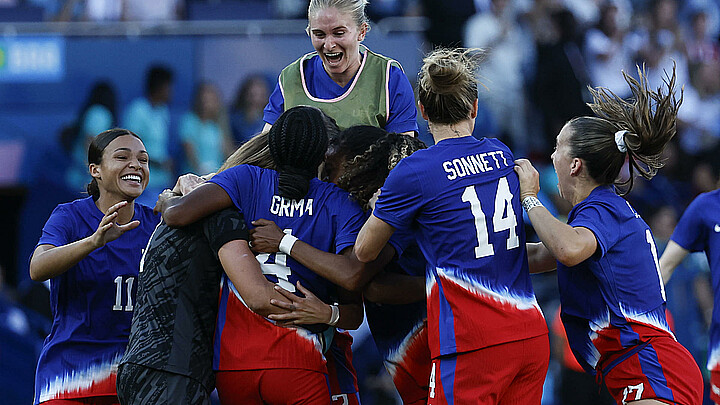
x=32, y=59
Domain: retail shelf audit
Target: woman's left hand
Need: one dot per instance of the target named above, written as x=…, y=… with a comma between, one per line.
x=529, y=178
x=303, y=311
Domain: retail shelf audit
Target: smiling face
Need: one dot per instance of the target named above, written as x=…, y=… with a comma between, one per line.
x=123, y=171
x=336, y=38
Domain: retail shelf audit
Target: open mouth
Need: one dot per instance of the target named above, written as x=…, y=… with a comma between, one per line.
x=333, y=57
x=132, y=178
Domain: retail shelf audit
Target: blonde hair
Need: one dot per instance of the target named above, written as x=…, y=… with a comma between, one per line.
x=354, y=8
x=253, y=152
x=447, y=86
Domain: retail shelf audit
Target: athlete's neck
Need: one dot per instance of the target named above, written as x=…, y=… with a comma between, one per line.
x=447, y=131
x=125, y=214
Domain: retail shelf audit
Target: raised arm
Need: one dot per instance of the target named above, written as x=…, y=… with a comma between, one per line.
x=49, y=261
x=671, y=257
x=178, y=211
x=570, y=245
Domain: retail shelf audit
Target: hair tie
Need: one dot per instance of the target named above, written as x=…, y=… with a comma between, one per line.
x=620, y=140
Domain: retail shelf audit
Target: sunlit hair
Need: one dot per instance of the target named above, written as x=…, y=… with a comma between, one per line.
x=96, y=150
x=649, y=119
x=256, y=151
x=354, y=8
x=253, y=152
x=447, y=85
x=370, y=153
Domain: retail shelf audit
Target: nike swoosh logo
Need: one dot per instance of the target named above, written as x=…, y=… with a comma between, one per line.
x=717, y=228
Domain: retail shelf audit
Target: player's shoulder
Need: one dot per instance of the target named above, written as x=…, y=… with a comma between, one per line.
x=331, y=190
x=707, y=198
x=294, y=66
x=76, y=207
x=333, y=195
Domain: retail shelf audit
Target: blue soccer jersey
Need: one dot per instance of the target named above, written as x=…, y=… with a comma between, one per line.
x=92, y=304
x=616, y=298
x=462, y=197
x=402, y=114
x=325, y=218
x=699, y=230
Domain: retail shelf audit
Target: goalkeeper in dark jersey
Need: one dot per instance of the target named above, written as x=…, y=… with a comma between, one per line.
x=169, y=356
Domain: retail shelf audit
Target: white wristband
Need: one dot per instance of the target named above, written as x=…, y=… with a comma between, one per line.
x=335, y=316
x=286, y=243
x=530, y=202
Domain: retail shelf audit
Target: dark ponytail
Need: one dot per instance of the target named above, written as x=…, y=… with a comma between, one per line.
x=643, y=126
x=370, y=154
x=297, y=141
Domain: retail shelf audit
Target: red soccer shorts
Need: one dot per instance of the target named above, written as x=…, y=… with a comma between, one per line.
x=279, y=386
x=715, y=386
x=509, y=373
x=341, y=373
x=411, y=375
x=660, y=369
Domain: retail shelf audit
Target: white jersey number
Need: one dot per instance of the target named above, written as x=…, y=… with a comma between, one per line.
x=279, y=269
x=628, y=392
x=432, y=381
x=503, y=219
x=119, y=294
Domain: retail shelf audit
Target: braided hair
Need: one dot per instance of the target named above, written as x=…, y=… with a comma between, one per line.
x=297, y=142
x=370, y=153
x=636, y=130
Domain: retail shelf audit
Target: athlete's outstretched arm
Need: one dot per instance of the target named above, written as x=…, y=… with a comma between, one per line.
x=671, y=257
x=178, y=211
x=49, y=261
x=540, y=260
x=395, y=288
x=570, y=245
x=373, y=237
x=343, y=269
x=245, y=273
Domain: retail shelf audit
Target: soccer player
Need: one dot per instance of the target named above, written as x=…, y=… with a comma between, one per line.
x=461, y=197
x=611, y=292
x=699, y=230
x=283, y=365
x=169, y=355
x=346, y=80
x=90, y=251
x=358, y=160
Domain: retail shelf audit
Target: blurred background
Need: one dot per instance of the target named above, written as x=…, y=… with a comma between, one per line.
x=72, y=68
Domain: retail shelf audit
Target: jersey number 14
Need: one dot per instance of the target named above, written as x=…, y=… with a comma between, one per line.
x=503, y=218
